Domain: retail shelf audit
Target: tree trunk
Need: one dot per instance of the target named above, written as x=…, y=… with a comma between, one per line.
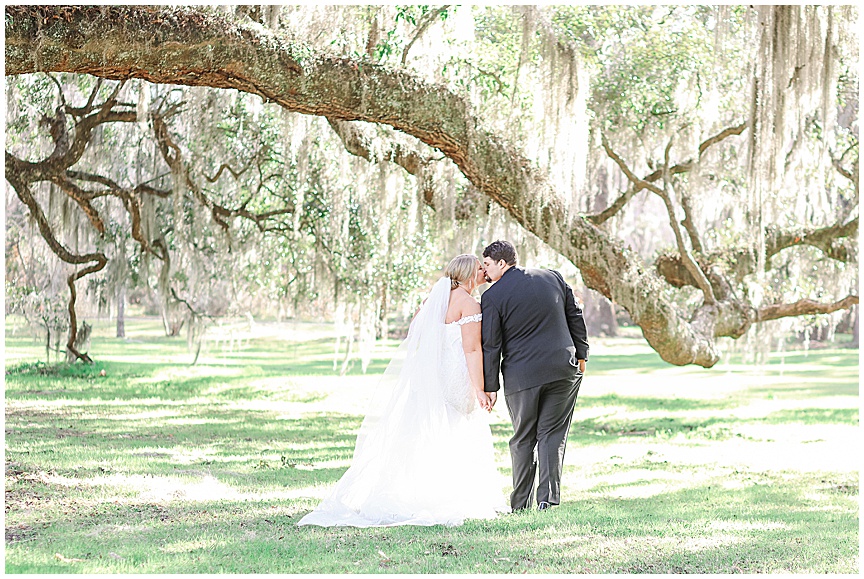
x=381, y=329
x=81, y=341
x=599, y=315
x=121, y=312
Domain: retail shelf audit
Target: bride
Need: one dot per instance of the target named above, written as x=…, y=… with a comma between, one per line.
x=424, y=453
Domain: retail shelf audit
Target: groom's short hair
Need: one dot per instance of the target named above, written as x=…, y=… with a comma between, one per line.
x=498, y=250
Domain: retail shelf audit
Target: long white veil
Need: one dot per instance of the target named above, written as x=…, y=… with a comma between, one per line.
x=414, y=458
x=413, y=373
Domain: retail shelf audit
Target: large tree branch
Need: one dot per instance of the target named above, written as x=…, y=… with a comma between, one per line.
x=201, y=48
x=823, y=239
x=802, y=308
x=835, y=241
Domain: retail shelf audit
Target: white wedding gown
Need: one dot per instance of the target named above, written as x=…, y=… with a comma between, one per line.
x=424, y=454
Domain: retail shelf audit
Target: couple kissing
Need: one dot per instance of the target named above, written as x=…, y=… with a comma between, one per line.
x=424, y=454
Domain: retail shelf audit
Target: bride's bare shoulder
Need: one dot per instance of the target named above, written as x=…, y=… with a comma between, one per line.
x=467, y=304
x=461, y=305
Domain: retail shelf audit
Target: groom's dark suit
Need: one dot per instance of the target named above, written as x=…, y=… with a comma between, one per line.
x=534, y=332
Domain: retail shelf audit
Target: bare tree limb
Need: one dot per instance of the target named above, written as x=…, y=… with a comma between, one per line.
x=22, y=189
x=193, y=311
x=655, y=176
x=113, y=186
x=425, y=22
x=689, y=225
x=235, y=173
x=615, y=207
x=823, y=239
x=217, y=212
x=637, y=182
x=82, y=198
x=130, y=201
x=724, y=134
x=802, y=308
x=667, y=194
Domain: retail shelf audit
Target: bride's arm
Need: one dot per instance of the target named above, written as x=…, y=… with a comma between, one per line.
x=471, y=345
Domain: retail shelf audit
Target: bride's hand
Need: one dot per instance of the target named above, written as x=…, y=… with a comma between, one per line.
x=483, y=399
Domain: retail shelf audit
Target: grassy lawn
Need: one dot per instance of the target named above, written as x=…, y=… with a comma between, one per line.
x=142, y=463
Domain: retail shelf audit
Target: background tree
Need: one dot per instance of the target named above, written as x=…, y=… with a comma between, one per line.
x=520, y=123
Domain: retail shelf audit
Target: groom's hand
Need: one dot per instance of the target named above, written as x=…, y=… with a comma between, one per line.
x=493, y=398
x=582, y=366
x=483, y=399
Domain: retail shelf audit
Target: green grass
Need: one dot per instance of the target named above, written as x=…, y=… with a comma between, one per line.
x=142, y=463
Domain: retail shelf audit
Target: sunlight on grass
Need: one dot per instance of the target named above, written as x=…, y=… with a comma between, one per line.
x=188, y=546
x=746, y=526
x=159, y=466
x=183, y=373
x=144, y=488
x=709, y=543
x=148, y=415
x=136, y=489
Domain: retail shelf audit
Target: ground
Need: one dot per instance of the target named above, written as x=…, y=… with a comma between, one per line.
x=159, y=466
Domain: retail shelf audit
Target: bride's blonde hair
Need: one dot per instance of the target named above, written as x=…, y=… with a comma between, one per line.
x=461, y=269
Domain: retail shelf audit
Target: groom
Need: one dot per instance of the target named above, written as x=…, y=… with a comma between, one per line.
x=534, y=332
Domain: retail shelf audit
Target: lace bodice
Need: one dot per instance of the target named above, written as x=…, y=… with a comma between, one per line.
x=466, y=320
x=456, y=382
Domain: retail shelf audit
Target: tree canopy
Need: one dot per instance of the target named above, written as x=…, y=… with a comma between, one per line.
x=735, y=129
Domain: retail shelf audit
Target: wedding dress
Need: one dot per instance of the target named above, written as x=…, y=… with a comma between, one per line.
x=424, y=453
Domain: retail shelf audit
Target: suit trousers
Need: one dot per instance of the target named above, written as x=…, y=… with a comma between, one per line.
x=541, y=421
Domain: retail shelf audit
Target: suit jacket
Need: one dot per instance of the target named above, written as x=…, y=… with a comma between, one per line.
x=533, y=330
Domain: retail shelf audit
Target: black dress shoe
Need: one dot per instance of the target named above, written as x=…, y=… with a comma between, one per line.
x=543, y=506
